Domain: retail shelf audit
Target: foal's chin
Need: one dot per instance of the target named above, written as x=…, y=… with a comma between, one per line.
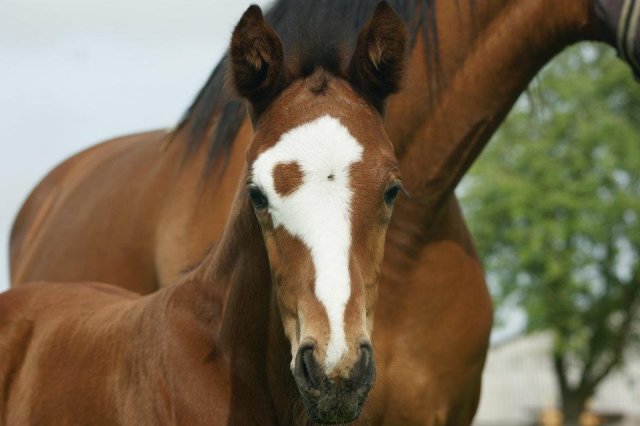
x=336, y=406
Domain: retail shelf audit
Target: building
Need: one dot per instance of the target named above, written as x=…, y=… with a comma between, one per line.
x=519, y=382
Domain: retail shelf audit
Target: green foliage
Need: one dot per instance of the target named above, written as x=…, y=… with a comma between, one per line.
x=554, y=206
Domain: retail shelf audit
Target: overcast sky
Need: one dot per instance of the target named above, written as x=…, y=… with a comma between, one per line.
x=73, y=73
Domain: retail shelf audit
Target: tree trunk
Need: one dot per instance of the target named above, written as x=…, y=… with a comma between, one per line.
x=572, y=406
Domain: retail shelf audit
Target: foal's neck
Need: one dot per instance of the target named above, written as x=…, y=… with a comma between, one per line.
x=230, y=294
x=230, y=291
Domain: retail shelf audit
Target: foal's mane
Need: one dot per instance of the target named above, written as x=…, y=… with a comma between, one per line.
x=315, y=34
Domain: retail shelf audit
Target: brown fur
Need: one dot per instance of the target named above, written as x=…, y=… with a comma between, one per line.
x=433, y=314
x=319, y=82
x=287, y=178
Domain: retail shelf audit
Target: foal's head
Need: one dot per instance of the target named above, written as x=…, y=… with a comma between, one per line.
x=323, y=178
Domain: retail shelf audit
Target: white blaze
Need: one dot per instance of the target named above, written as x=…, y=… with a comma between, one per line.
x=318, y=211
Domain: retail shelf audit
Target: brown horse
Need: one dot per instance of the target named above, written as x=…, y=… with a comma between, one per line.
x=139, y=213
x=320, y=183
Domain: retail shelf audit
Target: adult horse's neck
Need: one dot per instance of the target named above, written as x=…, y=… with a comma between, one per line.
x=507, y=43
x=486, y=61
x=231, y=296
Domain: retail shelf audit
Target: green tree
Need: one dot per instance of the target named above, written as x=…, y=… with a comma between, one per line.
x=554, y=206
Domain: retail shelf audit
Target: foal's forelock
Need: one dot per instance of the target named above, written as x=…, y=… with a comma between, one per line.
x=306, y=177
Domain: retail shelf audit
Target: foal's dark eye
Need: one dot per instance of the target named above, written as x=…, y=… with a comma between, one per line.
x=391, y=194
x=258, y=199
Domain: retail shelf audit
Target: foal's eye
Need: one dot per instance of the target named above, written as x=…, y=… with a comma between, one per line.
x=391, y=194
x=258, y=199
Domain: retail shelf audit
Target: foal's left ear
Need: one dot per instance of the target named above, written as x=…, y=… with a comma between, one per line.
x=258, y=69
x=377, y=65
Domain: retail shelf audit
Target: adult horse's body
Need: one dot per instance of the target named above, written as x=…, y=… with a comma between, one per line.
x=138, y=212
x=311, y=210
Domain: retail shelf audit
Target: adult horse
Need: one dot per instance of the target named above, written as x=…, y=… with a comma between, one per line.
x=317, y=193
x=140, y=210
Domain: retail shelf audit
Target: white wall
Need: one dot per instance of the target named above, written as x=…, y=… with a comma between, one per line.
x=519, y=380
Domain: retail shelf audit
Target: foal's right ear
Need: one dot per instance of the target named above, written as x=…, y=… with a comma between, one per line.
x=257, y=60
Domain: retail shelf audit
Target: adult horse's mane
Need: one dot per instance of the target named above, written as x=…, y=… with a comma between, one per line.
x=315, y=34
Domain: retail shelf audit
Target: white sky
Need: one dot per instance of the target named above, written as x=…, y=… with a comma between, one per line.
x=73, y=73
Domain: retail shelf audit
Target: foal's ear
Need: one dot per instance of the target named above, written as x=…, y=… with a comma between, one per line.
x=377, y=65
x=257, y=60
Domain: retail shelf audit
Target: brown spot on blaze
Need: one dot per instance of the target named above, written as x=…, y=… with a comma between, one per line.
x=287, y=177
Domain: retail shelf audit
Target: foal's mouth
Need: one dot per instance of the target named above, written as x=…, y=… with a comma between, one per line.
x=334, y=401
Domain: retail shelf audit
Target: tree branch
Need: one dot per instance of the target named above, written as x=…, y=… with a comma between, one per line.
x=559, y=367
x=623, y=333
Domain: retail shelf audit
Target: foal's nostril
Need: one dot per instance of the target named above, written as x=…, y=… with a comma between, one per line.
x=310, y=368
x=366, y=354
x=364, y=372
x=307, y=368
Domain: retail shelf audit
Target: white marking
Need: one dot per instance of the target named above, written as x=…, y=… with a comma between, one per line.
x=318, y=211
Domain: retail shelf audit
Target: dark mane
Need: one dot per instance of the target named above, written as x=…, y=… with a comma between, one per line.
x=315, y=34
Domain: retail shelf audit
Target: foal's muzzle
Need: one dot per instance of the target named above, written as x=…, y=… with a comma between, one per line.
x=334, y=400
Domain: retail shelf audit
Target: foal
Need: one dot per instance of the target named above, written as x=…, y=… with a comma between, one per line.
x=299, y=260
